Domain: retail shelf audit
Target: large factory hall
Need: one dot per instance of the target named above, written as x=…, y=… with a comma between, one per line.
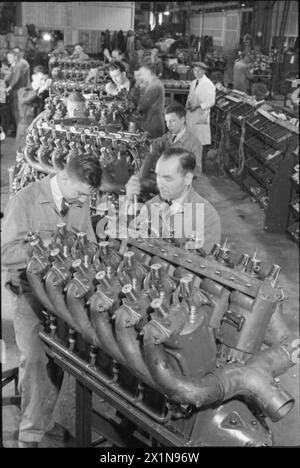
x=149, y=226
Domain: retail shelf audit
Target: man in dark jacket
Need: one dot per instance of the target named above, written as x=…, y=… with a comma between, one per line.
x=152, y=102
x=31, y=102
x=19, y=78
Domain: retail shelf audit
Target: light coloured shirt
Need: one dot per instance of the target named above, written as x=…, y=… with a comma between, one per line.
x=33, y=209
x=195, y=219
x=177, y=203
x=179, y=135
x=205, y=93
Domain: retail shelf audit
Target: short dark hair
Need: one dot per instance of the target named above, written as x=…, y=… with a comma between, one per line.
x=86, y=168
x=186, y=158
x=177, y=109
x=40, y=69
x=116, y=66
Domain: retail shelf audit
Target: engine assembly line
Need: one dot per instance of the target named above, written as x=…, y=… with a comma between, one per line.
x=193, y=347
x=150, y=205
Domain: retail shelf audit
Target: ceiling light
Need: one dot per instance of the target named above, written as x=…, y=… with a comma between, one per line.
x=47, y=36
x=166, y=13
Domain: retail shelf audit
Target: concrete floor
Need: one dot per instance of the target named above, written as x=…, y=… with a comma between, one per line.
x=242, y=224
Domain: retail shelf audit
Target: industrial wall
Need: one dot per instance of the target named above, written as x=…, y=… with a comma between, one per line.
x=223, y=26
x=291, y=28
x=76, y=17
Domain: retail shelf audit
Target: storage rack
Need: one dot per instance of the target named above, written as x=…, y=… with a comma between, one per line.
x=267, y=149
x=293, y=218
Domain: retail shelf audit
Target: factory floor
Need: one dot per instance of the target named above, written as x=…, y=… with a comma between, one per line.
x=243, y=226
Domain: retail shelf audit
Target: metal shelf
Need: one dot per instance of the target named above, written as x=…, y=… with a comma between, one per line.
x=291, y=233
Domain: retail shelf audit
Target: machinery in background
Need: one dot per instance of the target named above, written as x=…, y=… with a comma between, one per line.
x=100, y=109
x=67, y=63
x=293, y=214
x=63, y=87
x=187, y=349
x=50, y=141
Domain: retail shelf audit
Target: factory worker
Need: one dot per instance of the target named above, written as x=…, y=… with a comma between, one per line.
x=152, y=102
x=200, y=99
x=119, y=79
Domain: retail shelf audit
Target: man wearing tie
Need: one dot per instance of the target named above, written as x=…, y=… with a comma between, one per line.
x=178, y=136
x=39, y=207
x=201, y=98
x=176, y=205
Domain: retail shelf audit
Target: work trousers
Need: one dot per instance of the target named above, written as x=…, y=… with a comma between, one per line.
x=38, y=393
x=15, y=108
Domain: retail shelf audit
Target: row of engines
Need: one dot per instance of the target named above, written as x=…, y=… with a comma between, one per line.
x=64, y=86
x=68, y=62
x=187, y=331
x=50, y=143
x=101, y=109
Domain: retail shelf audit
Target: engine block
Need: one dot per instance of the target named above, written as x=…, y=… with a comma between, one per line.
x=49, y=143
x=190, y=347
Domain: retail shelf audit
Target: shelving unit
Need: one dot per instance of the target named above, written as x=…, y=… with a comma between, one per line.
x=268, y=150
x=293, y=219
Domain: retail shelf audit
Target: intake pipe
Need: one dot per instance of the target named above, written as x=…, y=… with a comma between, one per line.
x=257, y=380
x=42, y=158
x=76, y=291
x=180, y=389
x=127, y=338
x=35, y=272
x=31, y=161
x=53, y=286
x=254, y=380
x=102, y=323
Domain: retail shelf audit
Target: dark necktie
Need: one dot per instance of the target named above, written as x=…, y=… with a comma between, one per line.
x=65, y=206
x=174, y=138
x=169, y=202
x=196, y=84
